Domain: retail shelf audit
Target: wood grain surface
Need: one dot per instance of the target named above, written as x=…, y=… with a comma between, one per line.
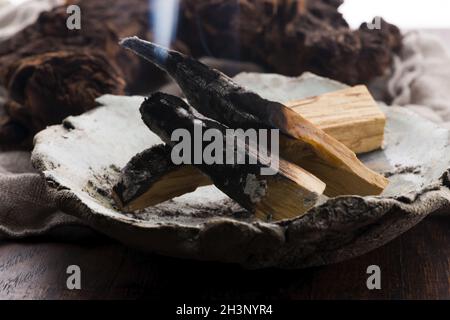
x=414, y=266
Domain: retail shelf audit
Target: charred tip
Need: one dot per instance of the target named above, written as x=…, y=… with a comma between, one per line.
x=150, y=51
x=159, y=103
x=164, y=113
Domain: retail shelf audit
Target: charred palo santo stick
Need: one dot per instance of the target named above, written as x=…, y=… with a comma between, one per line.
x=349, y=115
x=218, y=97
x=288, y=193
x=150, y=178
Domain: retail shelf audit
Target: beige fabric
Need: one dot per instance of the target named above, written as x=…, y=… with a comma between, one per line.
x=421, y=82
x=421, y=79
x=26, y=209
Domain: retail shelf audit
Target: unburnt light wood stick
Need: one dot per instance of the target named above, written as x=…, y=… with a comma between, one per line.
x=216, y=96
x=288, y=193
x=349, y=115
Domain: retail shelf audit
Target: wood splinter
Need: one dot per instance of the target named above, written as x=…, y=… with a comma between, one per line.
x=350, y=115
x=216, y=96
x=288, y=193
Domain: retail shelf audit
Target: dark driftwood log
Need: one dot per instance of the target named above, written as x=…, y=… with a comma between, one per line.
x=103, y=24
x=46, y=88
x=288, y=193
x=52, y=72
x=289, y=37
x=216, y=96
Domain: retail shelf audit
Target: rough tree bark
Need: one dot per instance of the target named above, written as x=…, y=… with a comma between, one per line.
x=52, y=72
x=289, y=37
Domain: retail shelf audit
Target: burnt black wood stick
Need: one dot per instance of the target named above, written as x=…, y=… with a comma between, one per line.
x=288, y=193
x=216, y=96
x=205, y=88
x=150, y=177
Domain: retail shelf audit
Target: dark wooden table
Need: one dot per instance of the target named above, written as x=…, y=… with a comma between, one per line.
x=414, y=266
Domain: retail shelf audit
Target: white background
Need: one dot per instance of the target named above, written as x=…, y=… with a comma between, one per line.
x=406, y=14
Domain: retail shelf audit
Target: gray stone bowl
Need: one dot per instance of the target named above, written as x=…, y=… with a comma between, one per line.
x=81, y=159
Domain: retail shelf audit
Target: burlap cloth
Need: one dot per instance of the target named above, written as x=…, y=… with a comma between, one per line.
x=420, y=81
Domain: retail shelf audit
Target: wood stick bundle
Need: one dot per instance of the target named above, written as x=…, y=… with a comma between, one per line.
x=290, y=192
x=307, y=152
x=349, y=115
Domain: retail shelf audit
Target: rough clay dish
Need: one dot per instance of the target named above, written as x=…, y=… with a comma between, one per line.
x=82, y=157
